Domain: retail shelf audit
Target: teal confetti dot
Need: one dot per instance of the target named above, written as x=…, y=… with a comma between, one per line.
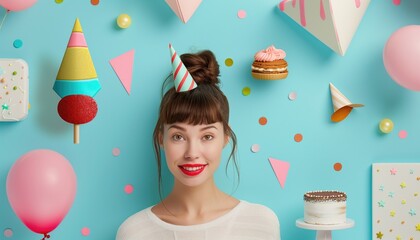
x=17, y=43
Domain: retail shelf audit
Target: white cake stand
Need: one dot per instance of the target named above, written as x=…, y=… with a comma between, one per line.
x=323, y=232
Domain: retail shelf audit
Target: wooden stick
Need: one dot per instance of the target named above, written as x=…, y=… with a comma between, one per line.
x=76, y=133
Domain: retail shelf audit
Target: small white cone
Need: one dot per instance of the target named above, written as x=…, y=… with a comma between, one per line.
x=342, y=105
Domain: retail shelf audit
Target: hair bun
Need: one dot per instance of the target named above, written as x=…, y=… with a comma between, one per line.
x=202, y=66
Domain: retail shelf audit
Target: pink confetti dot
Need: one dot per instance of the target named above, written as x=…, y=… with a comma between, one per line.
x=241, y=14
x=116, y=152
x=129, y=189
x=255, y=148
x=402, y=134
x=8, y=232
x=85, y=231
x=292, y=96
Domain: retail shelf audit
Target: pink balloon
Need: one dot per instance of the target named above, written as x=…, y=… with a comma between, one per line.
x=401, y=57
x=41, y=186
x=17, y=5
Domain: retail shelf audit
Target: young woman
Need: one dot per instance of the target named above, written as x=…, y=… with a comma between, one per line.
x=192, y=130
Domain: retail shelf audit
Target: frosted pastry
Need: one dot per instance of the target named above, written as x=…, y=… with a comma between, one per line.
x=14, y=90
x=269, y=64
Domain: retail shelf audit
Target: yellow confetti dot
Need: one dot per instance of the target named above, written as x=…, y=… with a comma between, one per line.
x=229, y=62
x=58, y=1
x=403, y=202
x=246, y=91
x=403, y=185
x=416, y=194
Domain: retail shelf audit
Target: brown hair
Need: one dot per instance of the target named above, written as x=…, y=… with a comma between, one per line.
x=205, y=104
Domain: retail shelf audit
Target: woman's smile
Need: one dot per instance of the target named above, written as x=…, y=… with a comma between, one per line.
x=192, y=169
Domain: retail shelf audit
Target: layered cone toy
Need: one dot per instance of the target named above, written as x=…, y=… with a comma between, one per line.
x=77, y=82
x=342, y=106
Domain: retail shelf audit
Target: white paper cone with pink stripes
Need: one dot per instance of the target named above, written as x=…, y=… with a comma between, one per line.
x=182, y=78
x=342, y=106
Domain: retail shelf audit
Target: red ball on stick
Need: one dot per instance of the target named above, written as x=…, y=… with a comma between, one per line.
x=77, y=109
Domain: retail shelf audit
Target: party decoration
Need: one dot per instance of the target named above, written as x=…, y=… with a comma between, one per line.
x=123, y=20
x=183, y=79
x=342, y=106
x=401, y=56
x=14, y=90
x=184, y=9
x=393, y=207
x=41, y=187
x=386, y=125
x=17, y=5
x=123, y=67
x=281, y=169
x=333, y=22
x=77, y=82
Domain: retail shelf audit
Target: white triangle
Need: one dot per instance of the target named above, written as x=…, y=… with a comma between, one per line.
x=336, y=27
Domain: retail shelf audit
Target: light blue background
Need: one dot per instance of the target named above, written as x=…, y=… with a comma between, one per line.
x=127, y=121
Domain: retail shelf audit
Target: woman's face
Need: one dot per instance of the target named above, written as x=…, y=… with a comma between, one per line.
x=193, y=152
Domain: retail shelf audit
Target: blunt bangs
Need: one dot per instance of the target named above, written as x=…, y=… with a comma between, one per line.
x=199, y=106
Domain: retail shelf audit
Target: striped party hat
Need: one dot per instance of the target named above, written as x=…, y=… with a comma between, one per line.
x=342, y=106
x=183, y=79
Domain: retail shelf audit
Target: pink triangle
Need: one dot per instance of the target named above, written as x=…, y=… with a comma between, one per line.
x=280, y=169
x=184, y=9
x=123, y=67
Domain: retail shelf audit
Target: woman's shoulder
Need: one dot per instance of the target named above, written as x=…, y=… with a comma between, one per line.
x=257, y=210
x=133, y=223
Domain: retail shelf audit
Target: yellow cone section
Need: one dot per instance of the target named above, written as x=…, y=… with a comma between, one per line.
x=77, y=63
x=77, y=26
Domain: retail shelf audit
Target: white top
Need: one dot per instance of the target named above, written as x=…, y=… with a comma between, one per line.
x=246, y=221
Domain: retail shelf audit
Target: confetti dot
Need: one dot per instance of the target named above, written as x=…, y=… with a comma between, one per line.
x=229, y=62
x=58, y=1
x=128, y=189
x=241, y=14
x=94, y=2
x=15, y=88
x=246, y=91
x=85, y=231
x=116, y=152
x=338, y=166
x=396, y=2
x=298, y=137
x=14, y=73
x=402, y=134
x=255, y=148
x=8, y=232
x=263, y=121
x=17, y=43
x=292, y=96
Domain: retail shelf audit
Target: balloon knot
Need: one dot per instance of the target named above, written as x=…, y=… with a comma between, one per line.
x=46, y=235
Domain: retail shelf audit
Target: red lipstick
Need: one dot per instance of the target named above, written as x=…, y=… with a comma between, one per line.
x=192, y=169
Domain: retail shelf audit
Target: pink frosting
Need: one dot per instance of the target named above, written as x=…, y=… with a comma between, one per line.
x=270, y=54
